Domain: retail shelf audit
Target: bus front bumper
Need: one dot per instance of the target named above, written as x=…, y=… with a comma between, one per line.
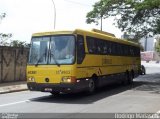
x=61, y=87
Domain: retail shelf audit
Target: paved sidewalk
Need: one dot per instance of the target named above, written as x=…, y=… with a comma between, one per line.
x=150, y=64
x=13, y=87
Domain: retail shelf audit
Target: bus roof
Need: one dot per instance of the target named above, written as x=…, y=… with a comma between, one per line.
x=93, y=32
x=52, y=33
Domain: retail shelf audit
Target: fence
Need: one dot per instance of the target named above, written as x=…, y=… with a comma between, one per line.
x=13, y=63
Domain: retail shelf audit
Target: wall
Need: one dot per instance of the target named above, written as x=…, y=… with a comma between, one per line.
x=13, y=63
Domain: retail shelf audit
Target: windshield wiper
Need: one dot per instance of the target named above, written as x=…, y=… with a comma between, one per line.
x=53, y=57
x=40, y=59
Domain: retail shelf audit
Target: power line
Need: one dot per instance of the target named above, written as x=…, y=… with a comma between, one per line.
x=77, y=3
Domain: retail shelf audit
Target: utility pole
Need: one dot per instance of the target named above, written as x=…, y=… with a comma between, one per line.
x=101, y=23
x=146, y=42
x=54, y=14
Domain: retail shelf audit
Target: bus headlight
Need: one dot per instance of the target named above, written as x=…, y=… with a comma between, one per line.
x=31, y=79
x=68, y=79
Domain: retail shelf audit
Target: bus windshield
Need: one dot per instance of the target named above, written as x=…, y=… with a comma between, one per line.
x=59, y=49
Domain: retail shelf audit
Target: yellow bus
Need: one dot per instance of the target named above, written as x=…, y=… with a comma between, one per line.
x=80, y=60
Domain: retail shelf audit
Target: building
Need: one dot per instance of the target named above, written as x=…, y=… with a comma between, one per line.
x=148, y=43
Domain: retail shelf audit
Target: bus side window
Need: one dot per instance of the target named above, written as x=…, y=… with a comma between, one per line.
x=80, y=49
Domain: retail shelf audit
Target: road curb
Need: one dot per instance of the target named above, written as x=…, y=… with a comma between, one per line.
x=11, y=91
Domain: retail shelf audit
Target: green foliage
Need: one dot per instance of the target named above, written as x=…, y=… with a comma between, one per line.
x=157, y=47
x=157, y=27
x=2, y=15
x=17, y=43
x=138, y=17
x=4, y=38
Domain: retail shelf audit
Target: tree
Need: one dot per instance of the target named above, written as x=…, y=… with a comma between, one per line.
x=157, y=45
x=138, y=17
x=17, y=43
x=4, y=37
x=2, y=15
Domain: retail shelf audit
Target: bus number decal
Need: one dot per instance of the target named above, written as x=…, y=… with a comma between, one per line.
x=32, y=72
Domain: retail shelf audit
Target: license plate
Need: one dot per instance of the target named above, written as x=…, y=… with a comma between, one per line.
x=48, y=89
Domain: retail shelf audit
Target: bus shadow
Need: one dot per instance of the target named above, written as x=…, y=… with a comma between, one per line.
x=151, y=83
x=83, y=98
x=151, y=87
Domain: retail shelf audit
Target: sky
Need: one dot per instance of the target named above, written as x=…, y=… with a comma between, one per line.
x=25, y=17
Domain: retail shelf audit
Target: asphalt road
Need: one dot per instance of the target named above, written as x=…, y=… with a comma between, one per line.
x=143, y=96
